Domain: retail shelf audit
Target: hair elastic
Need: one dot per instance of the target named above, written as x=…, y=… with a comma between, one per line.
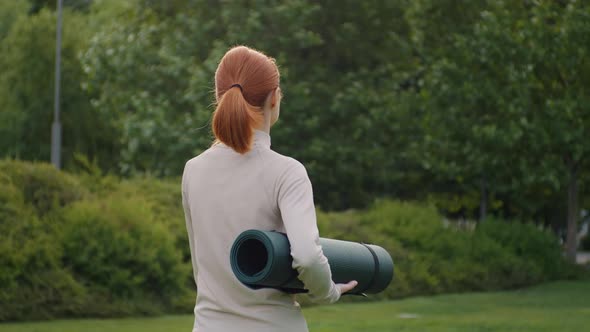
x=238, y=85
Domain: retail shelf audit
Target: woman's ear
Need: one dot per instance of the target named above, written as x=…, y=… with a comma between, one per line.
x=274, y=97
x=270, y=100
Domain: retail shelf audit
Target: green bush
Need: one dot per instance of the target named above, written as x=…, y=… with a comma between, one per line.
x=92, y=245
x=528, y=242
x=162, y=196
x=116, y=247
x=165, y=201
x=33, y=282
x=434, y=257
x=67, y=251
x=43, y=186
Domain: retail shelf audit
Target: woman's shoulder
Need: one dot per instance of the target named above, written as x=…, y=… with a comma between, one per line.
x=285, y=166
x=282, y=161
x=274, y=163
x=200, y=158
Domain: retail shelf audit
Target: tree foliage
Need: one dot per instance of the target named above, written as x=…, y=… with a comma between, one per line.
x=27, y=86
x=515, y=108
x=478, y=106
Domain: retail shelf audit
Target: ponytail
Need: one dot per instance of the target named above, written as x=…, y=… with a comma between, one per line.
x=234, y=120
x=243, y=81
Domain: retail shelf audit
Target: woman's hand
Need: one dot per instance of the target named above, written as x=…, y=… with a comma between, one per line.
x=347, y=287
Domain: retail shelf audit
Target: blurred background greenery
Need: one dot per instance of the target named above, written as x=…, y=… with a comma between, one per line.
x=452, y=132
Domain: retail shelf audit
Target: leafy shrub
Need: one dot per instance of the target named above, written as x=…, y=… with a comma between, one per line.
x=431, y=257
x=43, y=186
x=66, y=251
x=162, y=196
x=95, y=245
x=165, y=201
x=528, y=242
x=115, y=247
x=33, y=283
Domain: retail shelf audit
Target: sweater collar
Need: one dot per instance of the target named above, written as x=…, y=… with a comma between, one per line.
x=261, y=139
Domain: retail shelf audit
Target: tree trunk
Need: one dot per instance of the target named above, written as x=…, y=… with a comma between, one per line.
x=573, y=213
x=483, y=203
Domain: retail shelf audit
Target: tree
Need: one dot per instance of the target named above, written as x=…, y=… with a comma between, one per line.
x=338, y=102
x=141, y=78
x=511, y=99
x=9, y=12
x=474, y=100
x=26, y=90
x=558, y=36
x=340, y=98
x=36, y=6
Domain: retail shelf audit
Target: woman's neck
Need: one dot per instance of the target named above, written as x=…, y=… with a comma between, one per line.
x=265, y=125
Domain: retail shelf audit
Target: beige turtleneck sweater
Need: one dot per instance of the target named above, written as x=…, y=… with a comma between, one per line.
x=225, y=193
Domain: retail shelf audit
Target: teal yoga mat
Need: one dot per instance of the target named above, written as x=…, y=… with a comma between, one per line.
x=262, y=259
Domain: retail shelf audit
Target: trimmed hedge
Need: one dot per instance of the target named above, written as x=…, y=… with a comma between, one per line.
x=117, y=247
x=34, y=284
x=42, y=186
x=66, y=251
x=433, y=257
x=98, y=246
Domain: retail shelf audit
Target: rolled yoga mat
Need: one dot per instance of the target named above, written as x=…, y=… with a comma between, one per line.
x=262, y=259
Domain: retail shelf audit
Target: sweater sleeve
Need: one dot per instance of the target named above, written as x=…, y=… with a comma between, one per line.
x=295, y=200
x=189, y=223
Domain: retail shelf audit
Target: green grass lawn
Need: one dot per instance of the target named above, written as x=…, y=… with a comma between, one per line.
x=560, y=306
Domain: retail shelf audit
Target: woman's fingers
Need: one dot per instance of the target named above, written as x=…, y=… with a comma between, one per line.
x=347, y=287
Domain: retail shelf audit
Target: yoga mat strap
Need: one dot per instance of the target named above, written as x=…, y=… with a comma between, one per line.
x=294, y=290
x=376, y=270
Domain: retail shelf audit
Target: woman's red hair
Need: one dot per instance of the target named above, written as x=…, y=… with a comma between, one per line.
x=243, y=81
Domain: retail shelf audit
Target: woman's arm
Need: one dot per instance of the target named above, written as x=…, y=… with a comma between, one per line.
x=188, y=221
x=295, y=200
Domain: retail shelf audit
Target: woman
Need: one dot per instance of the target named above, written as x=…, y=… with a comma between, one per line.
x=238, y=184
